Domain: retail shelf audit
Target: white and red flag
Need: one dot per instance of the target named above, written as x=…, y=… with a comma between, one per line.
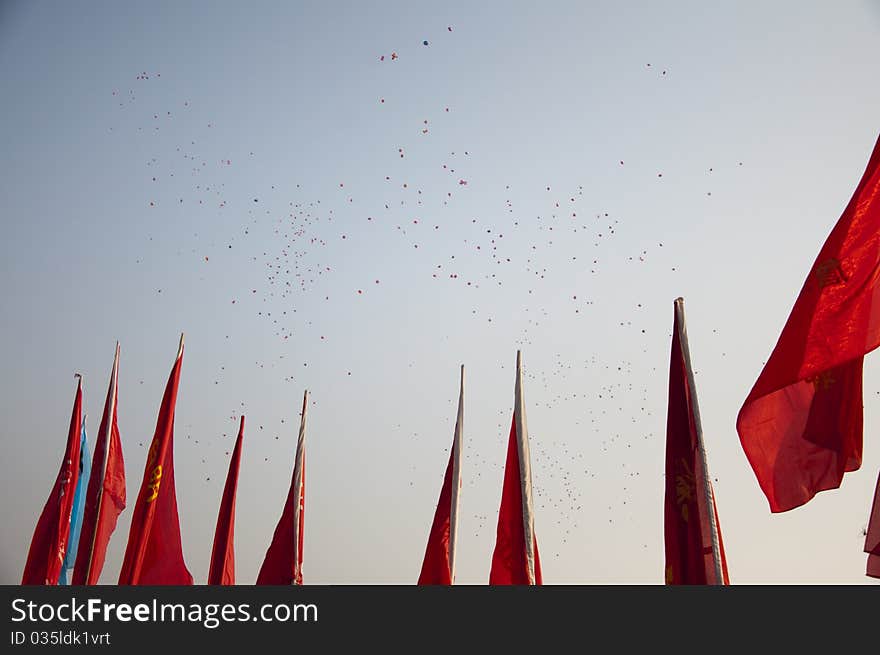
x=691, y=529
x=283, y=562
x=515, y=560
x=438, y=567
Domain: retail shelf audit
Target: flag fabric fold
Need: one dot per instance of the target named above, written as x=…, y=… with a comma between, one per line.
x=50, y=538
x=692, y=533
x=222, y=570
x=105, y=494
x=283, y=562
x=154, y=554
x=801, y=424
x=438, y=566
x=76, y=512
x=515, y=560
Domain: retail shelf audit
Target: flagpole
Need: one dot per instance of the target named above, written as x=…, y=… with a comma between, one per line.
x=456, y=478
x=298, y=484
x=707, y=487
x=109, y=432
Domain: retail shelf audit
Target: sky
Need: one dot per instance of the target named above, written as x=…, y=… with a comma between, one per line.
x=358, y=198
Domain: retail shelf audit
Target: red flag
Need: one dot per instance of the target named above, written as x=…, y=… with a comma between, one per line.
x=872, y=536
x=516, y=560
x=154, y=554
x=283, y=562
x=105, y=495
x=438, y=566
x=49, y=543
x=223, y=554
x=801, y=424
x=694, y=550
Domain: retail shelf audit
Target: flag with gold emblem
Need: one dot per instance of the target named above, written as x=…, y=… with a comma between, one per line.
x=692, y=533
x=801, y=424
x=154, y=554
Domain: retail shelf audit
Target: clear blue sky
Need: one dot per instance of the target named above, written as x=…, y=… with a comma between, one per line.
x=162, y=161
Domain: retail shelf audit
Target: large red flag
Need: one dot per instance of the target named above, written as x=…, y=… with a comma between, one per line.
x=283, y=562
x=222, y=571
x=49, y=543
x=801, y=424
x=154, y=554
x=694, y=550
x=438, y=567
x=515, y=559
x=872, y=536
x=105, y=495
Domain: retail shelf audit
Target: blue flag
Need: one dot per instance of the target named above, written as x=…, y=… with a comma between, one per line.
x=79, y=506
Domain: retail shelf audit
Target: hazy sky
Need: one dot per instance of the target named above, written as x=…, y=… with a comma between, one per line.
x=546, y=177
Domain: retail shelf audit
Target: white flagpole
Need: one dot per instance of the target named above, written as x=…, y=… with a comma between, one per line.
x=298, y=483
x=456, y=477
x=522, y=442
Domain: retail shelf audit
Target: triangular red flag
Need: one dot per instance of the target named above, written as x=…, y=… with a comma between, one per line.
x=49, y=542
x=154, y=554
x=872, y=536
x=438, y=567
x=283, y=562
x=515, y=560
x=222, y=571
x=105, y=494
x=801, y=424
x=694, y=550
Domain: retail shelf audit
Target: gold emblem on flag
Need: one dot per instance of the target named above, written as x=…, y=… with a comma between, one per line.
x=829, y=273
x=685, y=488
x=821, y=381
x=151, y=489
